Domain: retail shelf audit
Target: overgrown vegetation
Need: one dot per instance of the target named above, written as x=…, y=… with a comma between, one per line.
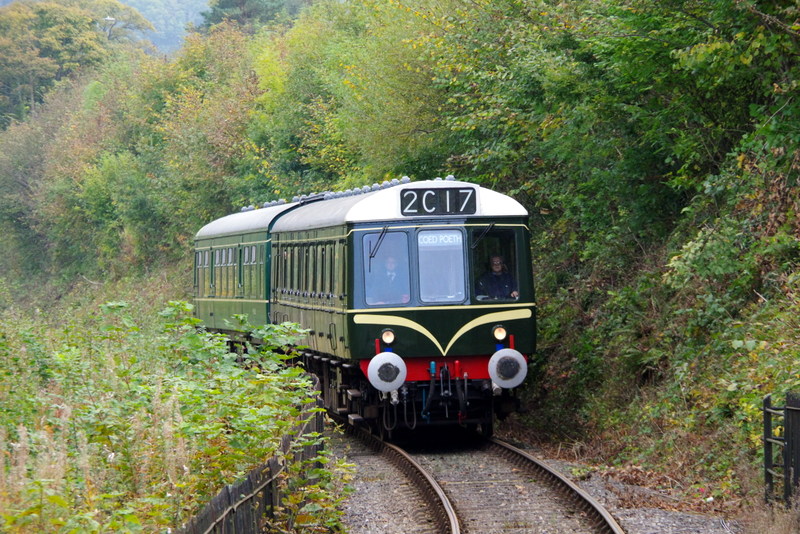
x=125, y=420
x=43, y=43
x=654, y=143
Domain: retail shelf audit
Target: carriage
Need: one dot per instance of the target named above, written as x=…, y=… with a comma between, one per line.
x=388, y=281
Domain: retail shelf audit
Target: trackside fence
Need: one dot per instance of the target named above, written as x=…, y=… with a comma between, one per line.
x=243, y=508
x=782, y=439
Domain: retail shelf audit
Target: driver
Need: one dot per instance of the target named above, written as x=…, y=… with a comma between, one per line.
x=497, y=282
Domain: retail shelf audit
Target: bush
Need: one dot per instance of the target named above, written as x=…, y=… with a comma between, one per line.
x=117, y=423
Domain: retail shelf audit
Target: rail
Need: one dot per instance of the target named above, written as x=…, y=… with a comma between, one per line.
x=602, y=520
x=445, y=515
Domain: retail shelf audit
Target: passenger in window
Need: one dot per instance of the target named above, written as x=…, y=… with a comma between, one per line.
x=497, y=282
x=390, y=285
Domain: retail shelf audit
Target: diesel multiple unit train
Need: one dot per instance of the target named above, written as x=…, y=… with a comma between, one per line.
x=418, y=296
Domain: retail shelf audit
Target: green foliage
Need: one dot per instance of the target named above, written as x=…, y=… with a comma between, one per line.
x=204, y=124
x=117, y=423
x=313, y=494
x=118, y=171
x=248, y=12
x=44, y=42
x=296, y=141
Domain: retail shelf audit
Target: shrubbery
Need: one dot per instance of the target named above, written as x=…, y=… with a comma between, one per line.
x=113, y=422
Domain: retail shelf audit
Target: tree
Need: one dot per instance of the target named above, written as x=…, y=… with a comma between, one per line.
x=44, y=42
x=118, y=21
x=244, y=12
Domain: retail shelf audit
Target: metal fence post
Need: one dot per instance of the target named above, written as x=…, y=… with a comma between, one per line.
x=792, y=450
x=768, y=458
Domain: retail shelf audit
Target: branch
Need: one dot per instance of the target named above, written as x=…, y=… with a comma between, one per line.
x=770, y=20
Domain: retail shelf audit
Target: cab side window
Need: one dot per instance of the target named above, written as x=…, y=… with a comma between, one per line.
x=494, y=264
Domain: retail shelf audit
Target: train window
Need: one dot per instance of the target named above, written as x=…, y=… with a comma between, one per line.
x=296, y=267
x=289, y=267
x=286, y=277
x=303, y=266
x=312, y=268
x=240, y=271
x=292, y=268
x=385, y=261
x=335, y=253
x=287, y=264
x=323, y=267
x=494, y=260
x=441, y=266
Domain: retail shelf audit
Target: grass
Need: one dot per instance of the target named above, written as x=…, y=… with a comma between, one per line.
x=117, y=414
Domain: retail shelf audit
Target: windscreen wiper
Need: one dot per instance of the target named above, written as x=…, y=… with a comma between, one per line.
x=373, y=251
x=483, y=234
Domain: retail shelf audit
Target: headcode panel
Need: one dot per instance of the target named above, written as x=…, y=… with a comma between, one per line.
x=438, y=201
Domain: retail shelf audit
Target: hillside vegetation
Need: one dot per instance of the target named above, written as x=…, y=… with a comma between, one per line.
x=120, y=416
x=655, y=145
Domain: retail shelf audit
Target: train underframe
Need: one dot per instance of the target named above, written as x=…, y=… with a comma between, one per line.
x=442, y=400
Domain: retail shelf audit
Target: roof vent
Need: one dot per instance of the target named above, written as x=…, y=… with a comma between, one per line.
x=450, y=178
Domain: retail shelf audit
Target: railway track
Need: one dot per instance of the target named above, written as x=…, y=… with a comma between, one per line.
x=478, y=487
x=399, y=489
x=590, y=509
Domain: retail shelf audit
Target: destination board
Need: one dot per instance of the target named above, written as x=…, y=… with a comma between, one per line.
x=438, y=201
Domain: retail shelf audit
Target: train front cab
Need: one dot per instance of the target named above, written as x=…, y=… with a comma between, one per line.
x=436, y=348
